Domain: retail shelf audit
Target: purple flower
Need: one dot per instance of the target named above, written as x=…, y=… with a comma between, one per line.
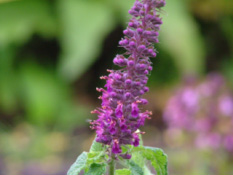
x=120, y=115
x=116, y=149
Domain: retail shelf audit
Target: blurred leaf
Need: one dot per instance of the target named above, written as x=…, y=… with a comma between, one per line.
x=71, y=115
x=181, y=37
x=84, y=26
x=123, y=172
x=79, y=165
x=47, y=100
x=140, y=137
x=121, y=8
x=97, y=169
x=158, y=159
x=147, y=171
x=20, y=19
x=95, y=157
x=138, y=158
x=96, y=146
x=135, y=169
x=42, y=92
x=8, y=81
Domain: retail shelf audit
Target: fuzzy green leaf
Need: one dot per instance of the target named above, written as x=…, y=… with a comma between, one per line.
x=95, y=157
x=157, y=158
x=135, y=168
x=141, y=141
x=123, y=172
x=96, y=169
x=146, y=171
x=138, y=158
x=78, y=165
x=96, y=146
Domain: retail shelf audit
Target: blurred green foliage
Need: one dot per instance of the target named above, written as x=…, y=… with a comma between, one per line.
x=181, y=37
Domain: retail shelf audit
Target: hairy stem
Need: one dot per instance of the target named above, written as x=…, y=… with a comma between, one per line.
x=112, y=166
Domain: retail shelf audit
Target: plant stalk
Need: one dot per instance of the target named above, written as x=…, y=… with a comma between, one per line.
x=112, y=166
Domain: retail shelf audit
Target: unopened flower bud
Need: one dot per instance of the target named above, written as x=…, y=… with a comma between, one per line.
x=130, y=63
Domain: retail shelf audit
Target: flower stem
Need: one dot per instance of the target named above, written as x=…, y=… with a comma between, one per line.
x=112, y=166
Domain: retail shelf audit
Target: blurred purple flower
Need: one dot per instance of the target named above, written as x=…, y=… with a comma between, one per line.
x=213, y=83
x=228, y=142
x=226, y=105
x=205, y=109
x=212, y=140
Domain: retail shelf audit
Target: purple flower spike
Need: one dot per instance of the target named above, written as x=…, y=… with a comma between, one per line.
x=120, y=115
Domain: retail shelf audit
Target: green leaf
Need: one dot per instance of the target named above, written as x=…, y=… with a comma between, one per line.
x=147, y=171
x=96, y=154
x=123, y=172
x=157, y=158
x=78, y=165
x=140, y=137
x=135, y=168
x=95, y=157
x=96, y=169
x=138, y=158
x=96, y=146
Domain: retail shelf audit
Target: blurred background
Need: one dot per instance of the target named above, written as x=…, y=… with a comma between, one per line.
x=52, y=53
